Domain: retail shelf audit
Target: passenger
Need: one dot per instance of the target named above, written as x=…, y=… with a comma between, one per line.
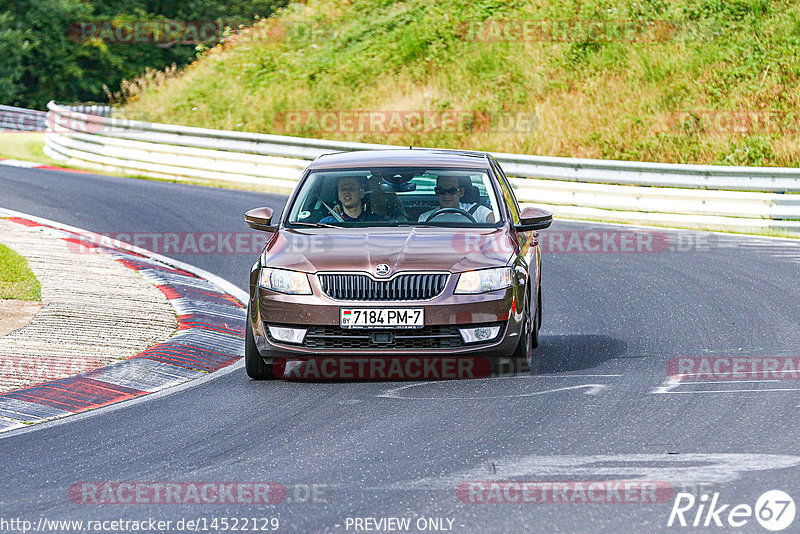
x=385, y=203
x=350, y=190
x=449, y=192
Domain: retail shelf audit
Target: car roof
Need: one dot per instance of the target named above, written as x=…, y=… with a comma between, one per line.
x=416, y=157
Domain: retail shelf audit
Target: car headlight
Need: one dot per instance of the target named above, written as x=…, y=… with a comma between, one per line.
x=291, y=282
x=472, y=282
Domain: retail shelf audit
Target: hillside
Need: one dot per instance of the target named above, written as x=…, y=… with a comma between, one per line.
x=685, y=81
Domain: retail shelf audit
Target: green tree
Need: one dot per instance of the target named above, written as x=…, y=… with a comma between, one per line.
x=41, y=59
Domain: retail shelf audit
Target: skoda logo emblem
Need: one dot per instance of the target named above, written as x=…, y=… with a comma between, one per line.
x=382, y=269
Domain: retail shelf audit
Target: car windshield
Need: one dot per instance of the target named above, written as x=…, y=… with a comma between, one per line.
x=396, y=196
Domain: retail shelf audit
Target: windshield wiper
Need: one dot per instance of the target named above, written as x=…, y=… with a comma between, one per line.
x=314, y=225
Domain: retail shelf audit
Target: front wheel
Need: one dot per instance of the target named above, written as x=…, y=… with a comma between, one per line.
x=537, y=323
x=527, y=337
x=254, y=364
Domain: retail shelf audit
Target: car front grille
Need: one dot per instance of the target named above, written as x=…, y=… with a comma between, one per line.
x=334, y=337
x=422, y=286
x=429, y=337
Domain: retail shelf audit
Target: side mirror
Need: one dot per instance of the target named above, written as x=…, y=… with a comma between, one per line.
x=260, y=219
x=534, y=219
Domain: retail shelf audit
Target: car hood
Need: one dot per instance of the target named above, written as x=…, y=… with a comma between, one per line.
x=402, y=249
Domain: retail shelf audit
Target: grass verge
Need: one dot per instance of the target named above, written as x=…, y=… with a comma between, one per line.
x=25, y=146
x=16, y=279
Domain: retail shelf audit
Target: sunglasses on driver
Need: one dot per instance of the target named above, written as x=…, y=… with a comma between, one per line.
x=446, y=191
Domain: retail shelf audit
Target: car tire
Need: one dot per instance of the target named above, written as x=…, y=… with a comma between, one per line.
x=537, y=324
x=523, y=353
x=539, y=307
x=254, y=363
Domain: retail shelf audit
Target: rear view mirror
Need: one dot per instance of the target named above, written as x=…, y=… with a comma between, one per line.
x=398, y=187
x=260, y=219
x=534, y=219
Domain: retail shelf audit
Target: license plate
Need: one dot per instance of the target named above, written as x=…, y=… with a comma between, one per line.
x=381, y=317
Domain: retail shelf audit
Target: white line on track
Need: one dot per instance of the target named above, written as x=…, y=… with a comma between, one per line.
x=694, y=392
x=669, y=385
x=396, y=393
x=715, y=468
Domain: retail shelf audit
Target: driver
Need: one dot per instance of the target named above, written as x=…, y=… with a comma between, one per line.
x=350, y=191
x=449, y=193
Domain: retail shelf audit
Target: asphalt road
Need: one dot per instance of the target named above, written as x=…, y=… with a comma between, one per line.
x=601, y=406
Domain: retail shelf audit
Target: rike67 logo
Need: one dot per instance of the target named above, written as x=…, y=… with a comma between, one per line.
x=774, y=510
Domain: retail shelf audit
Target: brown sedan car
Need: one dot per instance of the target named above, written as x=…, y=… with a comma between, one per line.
x=396, y=254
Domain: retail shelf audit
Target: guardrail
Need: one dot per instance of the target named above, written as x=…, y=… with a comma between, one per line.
x=22, y=120
x=31, y=120
x=101, y=110
x=747, y=199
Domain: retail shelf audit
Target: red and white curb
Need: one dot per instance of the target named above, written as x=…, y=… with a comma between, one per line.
x=210, y=337
x=35, y=165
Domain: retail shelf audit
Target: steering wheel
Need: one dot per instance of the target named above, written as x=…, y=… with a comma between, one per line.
x=442, y=211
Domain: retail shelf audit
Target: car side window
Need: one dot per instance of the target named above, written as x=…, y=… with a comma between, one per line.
x=508, y=194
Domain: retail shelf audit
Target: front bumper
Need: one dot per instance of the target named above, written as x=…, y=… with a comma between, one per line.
x=443, y=316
